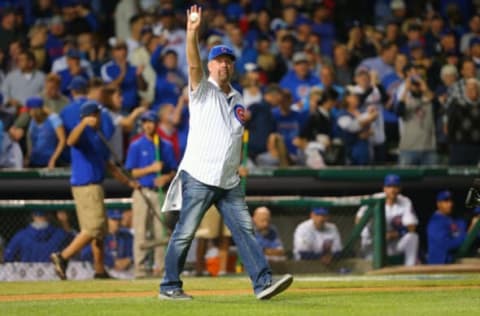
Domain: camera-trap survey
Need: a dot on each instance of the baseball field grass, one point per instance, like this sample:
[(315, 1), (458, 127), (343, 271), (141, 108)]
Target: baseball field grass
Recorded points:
[(308, 295)]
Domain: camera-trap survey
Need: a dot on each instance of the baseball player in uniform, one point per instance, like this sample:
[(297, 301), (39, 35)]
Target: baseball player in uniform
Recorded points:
[(208, 173), (316, 238), (401, 223)]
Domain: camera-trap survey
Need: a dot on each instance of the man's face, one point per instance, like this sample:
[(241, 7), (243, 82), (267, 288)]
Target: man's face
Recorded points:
[(391, 192), (262, 221), (113, 225), (471, 91), (73, 63), (326, 76), (119, 53), (301, 69), (468, 70), (149, 127), (51, 88), (170, 61), (24, 64), (445, 207), (221, 68), (319, 220), (35, 113)]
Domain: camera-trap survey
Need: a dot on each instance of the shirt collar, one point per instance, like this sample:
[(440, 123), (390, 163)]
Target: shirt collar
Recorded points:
[(232, 90)]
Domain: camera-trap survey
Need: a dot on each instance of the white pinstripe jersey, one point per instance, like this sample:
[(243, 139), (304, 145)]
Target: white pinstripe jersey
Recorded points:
[(215, 134)]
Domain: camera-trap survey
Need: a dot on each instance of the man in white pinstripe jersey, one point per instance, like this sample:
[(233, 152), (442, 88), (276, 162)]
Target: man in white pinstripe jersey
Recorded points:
[(208, 173)]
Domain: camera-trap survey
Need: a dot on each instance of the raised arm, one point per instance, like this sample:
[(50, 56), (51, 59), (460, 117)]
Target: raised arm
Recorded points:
[(195, 71)]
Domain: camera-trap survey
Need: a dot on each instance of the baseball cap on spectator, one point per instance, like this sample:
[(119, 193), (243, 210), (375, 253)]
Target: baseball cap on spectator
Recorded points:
[(221, 50), (34, 103), (299, 57), (39, 213), (116, 43), (149, 116), (302, 20), (474, 41), (278, 24), (169, 51), (214, 39), (114, 214), (251, 67), (397, 5), (444, 195), (73, 53), (234, 11), (353, 90), (320, 211), (272, 88), (415, 45), (476, 210), (89, 107), (55, 20), (78, 83), (362, 70), (391, 180)]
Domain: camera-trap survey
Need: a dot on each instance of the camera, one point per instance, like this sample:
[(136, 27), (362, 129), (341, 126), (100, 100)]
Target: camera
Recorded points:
[(473, 195)]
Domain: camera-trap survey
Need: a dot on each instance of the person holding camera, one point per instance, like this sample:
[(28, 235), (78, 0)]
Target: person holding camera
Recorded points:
[(417, 125)]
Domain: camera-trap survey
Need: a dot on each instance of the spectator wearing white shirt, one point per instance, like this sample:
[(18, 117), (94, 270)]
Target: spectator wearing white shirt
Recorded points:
[(317, 238), (401, 223)]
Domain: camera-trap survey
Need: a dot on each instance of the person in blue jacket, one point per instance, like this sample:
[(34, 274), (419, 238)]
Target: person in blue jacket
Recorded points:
[(443, 233), (118, 244), (35, 242)]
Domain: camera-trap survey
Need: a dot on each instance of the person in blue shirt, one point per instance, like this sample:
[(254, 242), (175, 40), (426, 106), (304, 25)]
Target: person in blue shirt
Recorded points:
[(288, 124), (443, 234), (299, 80), (118, 244), (119, 73), (90, 159), (35, 242), (74, 68), (70, 114), (153, 175), (46, 136), (267, 235)]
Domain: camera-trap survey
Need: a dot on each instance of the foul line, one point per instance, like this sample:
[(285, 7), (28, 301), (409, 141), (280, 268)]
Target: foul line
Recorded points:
[(153, 294)]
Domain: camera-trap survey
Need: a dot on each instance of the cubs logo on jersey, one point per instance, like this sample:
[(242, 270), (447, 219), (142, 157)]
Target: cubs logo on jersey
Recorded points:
[(239, 112)]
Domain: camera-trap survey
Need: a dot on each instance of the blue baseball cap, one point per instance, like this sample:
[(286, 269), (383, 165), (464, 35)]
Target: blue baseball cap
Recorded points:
[(39, 213), (34, 103), (415, 44), (89, 107), (476, 210), (149, 116), (78, 83), (320, 211), (444, 195), (114, 214), (73, 53), (391, 180), (219, 50)]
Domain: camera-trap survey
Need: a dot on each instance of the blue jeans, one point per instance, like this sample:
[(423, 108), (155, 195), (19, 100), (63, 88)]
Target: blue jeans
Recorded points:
[(197, 197)]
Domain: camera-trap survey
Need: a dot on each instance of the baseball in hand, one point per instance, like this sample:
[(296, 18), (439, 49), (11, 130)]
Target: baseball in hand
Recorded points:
[(194, 16)]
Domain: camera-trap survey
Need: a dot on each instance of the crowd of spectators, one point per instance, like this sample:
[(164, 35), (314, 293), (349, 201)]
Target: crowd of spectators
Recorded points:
[(324, 82)]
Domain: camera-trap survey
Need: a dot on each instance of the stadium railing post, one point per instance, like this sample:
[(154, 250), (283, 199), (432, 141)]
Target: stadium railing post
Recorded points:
[(469, 240), (379, 244), (357, 229)]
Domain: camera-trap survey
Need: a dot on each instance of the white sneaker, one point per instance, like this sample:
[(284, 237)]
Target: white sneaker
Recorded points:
[(276, 288)]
